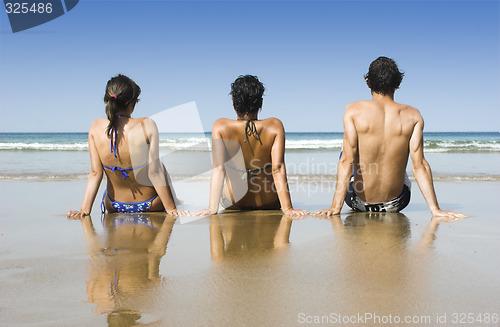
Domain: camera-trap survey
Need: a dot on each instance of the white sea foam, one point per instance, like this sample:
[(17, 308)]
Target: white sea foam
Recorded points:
[(44, 146), (462, 146), (294, 142), (333, 144)]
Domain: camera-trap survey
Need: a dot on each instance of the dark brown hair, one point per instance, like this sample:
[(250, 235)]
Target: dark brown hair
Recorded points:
[(247, 92), (120, 92), (383, 76)]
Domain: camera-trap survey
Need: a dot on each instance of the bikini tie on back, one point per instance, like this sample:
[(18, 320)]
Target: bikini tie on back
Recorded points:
[(114, 151), (250, 129), (121, 170)]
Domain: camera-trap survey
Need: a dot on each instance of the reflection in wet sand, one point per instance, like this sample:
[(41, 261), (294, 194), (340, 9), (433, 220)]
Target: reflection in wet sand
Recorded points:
[(382, 272), (124, 269), (236, 234), (368, 265), (251, 269), (374, 260)]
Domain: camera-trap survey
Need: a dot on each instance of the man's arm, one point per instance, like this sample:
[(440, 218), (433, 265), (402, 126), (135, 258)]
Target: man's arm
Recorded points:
[(422, 172), (344, 169)]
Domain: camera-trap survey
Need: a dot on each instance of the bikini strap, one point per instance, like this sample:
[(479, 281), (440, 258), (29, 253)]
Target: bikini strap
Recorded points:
[(123, 170), (251, 129)]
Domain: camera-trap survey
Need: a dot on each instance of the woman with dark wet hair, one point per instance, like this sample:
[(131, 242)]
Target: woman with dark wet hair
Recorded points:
[(249, 156), (127, 150)]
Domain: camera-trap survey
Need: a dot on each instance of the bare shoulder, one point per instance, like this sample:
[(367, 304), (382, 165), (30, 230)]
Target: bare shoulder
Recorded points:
[(354, 107), (98, 125), (273, 121), (274, 124), (220, 124), (149, 125), (148, 122), (411, 113)]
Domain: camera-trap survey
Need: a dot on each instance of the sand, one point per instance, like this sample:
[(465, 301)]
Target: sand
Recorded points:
[(247, 269)]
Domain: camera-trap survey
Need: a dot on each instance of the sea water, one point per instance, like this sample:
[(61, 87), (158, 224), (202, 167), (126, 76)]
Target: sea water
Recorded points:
[(470, 156)]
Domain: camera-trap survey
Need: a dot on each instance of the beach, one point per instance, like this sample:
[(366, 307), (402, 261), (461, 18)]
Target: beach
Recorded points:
[(252, 268), (67, 66)]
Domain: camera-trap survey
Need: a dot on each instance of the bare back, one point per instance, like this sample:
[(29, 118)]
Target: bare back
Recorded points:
[(383, 129), (132, 152), (241, 152)]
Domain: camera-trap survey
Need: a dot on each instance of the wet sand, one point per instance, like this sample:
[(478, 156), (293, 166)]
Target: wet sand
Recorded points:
[(247, 269)]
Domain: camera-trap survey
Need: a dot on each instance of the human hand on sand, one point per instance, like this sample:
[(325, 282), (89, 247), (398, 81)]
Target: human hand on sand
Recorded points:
[(295, 213), (204, 212), (177, 212), (326, 212), (77, 214), (445, 216)]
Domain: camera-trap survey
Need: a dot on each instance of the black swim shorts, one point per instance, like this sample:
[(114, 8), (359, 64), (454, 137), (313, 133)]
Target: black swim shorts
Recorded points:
[(395, 205)]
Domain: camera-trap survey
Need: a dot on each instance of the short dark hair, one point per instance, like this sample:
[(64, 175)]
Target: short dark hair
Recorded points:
[(383, 76), (120, 92), (247, 92)]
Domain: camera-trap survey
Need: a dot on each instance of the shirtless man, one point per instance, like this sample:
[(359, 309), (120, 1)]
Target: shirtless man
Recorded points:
[(249, 156), (378, 137)]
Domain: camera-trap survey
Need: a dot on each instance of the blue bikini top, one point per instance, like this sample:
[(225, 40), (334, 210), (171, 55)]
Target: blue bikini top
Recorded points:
[(114, 150)]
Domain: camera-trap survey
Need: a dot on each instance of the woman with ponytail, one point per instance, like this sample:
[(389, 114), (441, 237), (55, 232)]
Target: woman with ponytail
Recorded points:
[(127, 150)]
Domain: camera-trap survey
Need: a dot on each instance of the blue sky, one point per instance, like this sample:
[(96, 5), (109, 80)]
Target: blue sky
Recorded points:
[(310, 55)]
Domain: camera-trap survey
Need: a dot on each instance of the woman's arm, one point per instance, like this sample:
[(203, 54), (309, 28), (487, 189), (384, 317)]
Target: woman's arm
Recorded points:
[(218, 170), (218, 173), (279, 172), (156, 172), (94, 179)]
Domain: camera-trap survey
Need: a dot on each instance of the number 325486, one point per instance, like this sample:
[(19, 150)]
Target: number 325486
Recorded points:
[(25, 8)]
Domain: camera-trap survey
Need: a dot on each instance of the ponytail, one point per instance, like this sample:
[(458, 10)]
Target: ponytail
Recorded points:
[(120, 92), (111, 110)]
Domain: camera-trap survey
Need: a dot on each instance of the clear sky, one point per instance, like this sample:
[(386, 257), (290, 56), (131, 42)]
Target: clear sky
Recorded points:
[(310, 55)]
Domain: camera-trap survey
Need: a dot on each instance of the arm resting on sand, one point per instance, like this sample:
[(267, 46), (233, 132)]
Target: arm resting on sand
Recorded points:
[(422, 172), (344, 169), (279, 174), (156, 171), (216, 185), (93, 182), (218, 174)]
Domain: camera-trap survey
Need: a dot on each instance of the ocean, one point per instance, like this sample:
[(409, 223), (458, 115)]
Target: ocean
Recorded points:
[(457, 156)]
